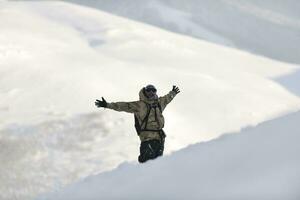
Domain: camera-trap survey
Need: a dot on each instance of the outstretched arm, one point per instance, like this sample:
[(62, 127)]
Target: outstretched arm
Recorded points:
[(130, 107), (165, 100)]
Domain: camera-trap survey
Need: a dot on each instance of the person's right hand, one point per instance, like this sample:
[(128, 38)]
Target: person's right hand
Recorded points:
[(102, 103)]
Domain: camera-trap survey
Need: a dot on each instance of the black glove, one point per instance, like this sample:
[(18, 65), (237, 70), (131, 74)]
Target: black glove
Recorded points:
[(175, 89), (102, 103)]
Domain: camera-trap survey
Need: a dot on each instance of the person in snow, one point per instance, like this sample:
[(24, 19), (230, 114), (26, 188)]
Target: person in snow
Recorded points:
[(149, 121)]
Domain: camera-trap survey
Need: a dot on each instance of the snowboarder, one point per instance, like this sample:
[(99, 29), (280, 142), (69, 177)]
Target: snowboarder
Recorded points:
[(149, 120)]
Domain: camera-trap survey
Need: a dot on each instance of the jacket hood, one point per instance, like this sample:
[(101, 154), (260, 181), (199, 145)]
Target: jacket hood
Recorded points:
[(144, 98)]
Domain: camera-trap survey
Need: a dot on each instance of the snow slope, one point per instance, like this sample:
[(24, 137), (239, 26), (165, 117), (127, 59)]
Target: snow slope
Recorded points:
[(259, 163), (56, 58), (246, 25)]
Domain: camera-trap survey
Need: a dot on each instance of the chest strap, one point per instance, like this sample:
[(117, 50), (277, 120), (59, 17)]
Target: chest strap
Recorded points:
[(138, 126)]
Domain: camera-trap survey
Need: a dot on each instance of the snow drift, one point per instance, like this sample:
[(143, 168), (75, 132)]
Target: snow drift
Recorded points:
[(259, 163)]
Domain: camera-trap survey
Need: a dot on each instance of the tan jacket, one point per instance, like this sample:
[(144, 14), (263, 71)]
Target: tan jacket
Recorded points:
[(139, 108)]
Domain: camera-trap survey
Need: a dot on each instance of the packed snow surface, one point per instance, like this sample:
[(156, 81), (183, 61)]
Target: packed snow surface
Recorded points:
[(260, 163), (56, 58)]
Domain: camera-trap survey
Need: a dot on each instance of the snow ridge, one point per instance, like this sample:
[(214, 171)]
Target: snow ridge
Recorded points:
[(246, 25), (258, 163)]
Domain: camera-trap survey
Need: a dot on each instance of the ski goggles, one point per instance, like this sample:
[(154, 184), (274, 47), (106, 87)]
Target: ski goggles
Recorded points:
[(150, 89)]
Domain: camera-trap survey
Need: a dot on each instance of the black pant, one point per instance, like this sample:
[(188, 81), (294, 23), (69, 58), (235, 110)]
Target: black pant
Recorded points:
[(150, 150)]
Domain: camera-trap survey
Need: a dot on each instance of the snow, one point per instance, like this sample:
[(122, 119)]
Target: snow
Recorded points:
[(246, 25), (258, 163), (56, 58)]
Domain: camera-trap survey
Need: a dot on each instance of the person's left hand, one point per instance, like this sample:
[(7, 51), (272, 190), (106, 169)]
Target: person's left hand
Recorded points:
[(175, 89)]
